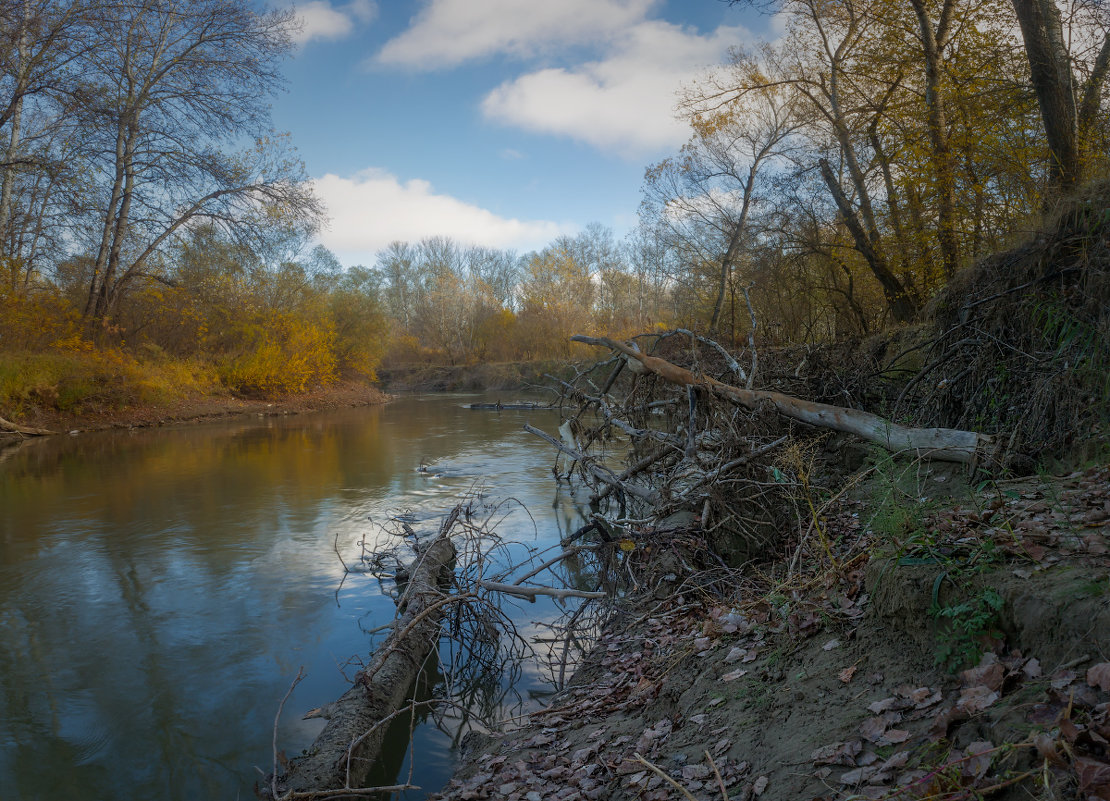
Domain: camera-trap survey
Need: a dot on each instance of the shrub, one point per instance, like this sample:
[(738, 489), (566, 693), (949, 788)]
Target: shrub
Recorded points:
[(283, 354)]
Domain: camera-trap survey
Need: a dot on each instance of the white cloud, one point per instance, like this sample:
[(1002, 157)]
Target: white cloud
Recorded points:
[(449, 32), (373, 208), (321, 20), (624, 102)]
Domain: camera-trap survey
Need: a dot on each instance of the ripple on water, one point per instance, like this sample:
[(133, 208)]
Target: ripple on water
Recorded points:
[(83, 729)]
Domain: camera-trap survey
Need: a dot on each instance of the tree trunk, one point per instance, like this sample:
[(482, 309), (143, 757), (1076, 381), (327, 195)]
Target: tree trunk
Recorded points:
[(733, 249), (1092, 92), (901, 304), (933, 42), (1050, 70), (108, 281), (14, 138), (101, 263), (15, 428)]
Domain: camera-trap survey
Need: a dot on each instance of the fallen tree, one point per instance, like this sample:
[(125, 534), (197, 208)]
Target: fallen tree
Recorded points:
[(27, 431), (346, 750), (941, 444)]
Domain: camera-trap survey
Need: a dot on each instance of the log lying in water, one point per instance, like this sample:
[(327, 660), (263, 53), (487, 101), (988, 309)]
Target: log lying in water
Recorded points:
[(347, 748), (942, 444), (508, 406), (15, 428)]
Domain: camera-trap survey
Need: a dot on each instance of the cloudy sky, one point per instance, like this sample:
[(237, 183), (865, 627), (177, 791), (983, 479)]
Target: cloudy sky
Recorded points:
[(495, 122)]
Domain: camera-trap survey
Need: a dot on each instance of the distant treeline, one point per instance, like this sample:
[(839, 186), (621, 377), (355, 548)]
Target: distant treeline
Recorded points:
[(155, 232)]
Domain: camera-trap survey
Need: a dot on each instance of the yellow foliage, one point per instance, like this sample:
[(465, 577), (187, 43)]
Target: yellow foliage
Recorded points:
[(408, 349), (34, 321), (284, 354), (77, 376)]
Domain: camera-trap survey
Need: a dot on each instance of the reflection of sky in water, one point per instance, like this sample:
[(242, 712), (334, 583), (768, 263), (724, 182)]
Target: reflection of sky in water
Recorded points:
[(160, 589)]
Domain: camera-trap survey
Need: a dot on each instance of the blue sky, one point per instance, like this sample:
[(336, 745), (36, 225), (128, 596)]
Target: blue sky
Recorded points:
[(496, 122)]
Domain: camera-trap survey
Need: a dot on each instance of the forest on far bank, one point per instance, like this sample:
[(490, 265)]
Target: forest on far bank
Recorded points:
[(156, 233)]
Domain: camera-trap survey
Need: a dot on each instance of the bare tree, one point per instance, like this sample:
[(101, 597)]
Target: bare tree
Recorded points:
[(179, 84), (41, 41), (706, 196)]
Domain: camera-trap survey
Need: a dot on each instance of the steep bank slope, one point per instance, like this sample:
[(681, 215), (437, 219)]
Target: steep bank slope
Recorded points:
[(834, 683)]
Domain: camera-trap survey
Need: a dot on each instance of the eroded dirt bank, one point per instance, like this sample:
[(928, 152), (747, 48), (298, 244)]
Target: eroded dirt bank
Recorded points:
[(943, 649), (200, 408)]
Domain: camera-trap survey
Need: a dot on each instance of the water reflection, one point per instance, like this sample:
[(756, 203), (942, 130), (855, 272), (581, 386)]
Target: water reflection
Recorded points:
[(160, 588)]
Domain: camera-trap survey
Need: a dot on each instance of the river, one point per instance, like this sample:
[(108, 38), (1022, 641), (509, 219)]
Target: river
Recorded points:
[(160, 588)]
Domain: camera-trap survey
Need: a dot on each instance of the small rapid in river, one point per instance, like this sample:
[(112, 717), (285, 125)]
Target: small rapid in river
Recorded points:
[(159, 589)]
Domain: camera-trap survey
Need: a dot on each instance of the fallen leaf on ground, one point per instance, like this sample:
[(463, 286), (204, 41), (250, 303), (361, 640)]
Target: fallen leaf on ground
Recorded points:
[(873, 728), (847, 674), (736, 653), (893, 737), (1093, 775), (695, 771), (1061, 679), (988, 675), (895, 761), (1099, 676), (837, 753), (976, 699), (856, 776), (831, 644), (944, 720), (979, 763), (760, 785), (879, 707)]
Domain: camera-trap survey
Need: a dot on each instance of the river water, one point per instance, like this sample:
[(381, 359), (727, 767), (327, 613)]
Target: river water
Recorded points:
[(160, 589)]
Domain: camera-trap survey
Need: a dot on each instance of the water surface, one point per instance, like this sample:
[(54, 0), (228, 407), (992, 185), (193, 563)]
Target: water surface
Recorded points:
[(159, 589)]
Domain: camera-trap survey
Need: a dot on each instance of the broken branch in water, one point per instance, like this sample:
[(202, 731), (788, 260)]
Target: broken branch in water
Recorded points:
[(569, 552), (531, 592), (345, 750), (600, 473)]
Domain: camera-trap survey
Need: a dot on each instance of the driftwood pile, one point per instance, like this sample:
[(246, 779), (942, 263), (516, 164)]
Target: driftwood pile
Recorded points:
[(736, 461)]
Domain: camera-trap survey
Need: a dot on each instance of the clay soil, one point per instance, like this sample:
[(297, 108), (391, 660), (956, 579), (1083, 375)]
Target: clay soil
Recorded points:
[(842, 681)]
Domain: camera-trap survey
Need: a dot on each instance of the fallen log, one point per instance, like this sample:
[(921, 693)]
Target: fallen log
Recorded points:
[(498, 407), (346, 750), (941, 444), (27, 431), (531, 592)]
